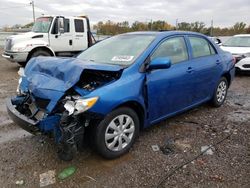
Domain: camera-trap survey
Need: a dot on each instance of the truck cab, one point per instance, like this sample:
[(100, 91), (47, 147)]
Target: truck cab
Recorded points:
[(50, 36)]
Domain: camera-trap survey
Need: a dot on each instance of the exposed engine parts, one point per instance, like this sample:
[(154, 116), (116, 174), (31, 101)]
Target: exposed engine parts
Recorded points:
[(91, 80)]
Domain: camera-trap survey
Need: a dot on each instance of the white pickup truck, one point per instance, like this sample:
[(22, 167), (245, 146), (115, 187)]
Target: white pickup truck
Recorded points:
[(50, 36)]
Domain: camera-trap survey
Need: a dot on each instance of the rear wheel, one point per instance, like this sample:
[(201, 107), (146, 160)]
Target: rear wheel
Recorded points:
[(115, 135), (220, 92)]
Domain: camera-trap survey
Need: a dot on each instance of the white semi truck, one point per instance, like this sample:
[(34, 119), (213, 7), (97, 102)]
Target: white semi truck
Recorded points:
[(50, 36)]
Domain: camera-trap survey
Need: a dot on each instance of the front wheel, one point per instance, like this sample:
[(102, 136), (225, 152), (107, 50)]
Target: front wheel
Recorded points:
[(116, 133), (40, 53), (220, 93)]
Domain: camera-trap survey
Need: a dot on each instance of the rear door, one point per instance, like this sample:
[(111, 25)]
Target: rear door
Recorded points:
[(80, 41), (207, 65), (170, 90)]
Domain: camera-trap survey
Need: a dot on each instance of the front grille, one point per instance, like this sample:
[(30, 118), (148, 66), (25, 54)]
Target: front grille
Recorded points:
[(246, 66), (41, 103), (8, 44)]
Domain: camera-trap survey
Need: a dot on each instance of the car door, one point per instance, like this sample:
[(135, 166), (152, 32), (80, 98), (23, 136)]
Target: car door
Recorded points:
[(207, 65), (61, 42), (170, 90), (80, 39)]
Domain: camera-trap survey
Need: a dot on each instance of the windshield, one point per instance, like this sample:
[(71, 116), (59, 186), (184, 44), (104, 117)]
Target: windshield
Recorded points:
[(238, 42), (42, 25), (118, 50)]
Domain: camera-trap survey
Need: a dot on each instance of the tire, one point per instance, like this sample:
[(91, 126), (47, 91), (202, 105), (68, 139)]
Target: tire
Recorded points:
[(109, 132), (40, 53), (220, 93)]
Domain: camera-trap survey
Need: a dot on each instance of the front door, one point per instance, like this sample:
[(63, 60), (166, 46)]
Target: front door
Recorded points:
[(170, 90), (61, 42)]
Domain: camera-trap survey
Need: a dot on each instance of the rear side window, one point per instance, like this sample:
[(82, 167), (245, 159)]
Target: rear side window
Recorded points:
[(173, 48), (201, 47), (79, 27)]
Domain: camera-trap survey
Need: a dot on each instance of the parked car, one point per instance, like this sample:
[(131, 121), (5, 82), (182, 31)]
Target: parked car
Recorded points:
[(50, 36), (119, 86), (239, 46)]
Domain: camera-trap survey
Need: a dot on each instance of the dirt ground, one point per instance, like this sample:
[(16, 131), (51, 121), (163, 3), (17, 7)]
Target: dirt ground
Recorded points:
[(24, 157)]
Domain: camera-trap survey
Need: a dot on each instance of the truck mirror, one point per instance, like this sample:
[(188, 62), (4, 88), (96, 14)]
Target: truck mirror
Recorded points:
[(61, 25)]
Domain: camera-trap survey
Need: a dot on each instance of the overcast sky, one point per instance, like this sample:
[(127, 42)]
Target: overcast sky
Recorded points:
[(223, 12)]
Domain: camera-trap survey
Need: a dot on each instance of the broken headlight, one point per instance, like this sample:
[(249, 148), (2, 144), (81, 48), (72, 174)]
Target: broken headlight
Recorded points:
[(79, 105)]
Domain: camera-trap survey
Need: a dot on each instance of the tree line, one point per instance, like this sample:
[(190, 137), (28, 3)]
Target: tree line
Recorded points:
[(113, 28)]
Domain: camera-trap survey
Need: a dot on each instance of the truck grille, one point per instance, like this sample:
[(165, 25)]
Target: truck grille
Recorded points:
[(8, 44)]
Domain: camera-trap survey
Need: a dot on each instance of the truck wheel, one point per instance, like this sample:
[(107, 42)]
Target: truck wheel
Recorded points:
[(220, 93), (116, 133), (40, 53)]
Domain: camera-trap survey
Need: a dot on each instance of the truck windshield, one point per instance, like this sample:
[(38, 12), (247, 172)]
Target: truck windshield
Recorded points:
[(42, 25), (118, 50), (238, 41)]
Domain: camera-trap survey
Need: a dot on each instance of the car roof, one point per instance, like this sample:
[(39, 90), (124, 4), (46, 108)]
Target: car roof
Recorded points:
[(164, 33)]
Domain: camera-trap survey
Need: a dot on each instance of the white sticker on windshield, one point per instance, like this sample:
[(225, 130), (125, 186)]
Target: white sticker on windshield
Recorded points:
[(122, 58)]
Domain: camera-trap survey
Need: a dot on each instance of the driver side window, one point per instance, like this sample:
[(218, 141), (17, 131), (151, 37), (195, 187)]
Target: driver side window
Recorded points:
[(173, 48)]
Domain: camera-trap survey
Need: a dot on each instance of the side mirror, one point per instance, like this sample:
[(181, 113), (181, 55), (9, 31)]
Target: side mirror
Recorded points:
[(61, 25), (160, 63), (218, 41)]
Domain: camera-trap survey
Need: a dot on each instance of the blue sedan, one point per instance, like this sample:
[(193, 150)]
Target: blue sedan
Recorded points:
[(119, 86)]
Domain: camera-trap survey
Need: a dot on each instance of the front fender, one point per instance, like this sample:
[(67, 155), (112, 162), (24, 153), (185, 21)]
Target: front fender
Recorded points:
[(130, 87)]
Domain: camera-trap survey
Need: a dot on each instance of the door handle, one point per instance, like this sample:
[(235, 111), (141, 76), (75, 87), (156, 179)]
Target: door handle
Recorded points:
[(190, 70)]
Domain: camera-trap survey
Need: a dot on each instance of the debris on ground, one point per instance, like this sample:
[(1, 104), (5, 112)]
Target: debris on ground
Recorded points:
[(88, 178), (168, 147), (200, 162), (217, 178), (155, 148), (19, 182), (166, 150), (207, 150), (47, 178), (67, 172), (182, 144)]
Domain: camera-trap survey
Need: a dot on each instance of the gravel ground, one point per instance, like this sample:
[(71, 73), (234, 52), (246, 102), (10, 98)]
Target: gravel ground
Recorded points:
[(25, 157)]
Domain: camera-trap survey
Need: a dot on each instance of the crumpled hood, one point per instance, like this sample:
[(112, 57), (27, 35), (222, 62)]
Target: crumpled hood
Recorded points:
[(50, 77)]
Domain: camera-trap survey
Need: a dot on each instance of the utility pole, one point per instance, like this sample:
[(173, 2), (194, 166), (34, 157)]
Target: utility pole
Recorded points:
[(176, 24), (33, 9), (212, 25)]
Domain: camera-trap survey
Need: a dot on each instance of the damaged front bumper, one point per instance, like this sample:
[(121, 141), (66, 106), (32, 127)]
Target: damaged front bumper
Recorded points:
[(67, 130), (20, 119), (30, 123)]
